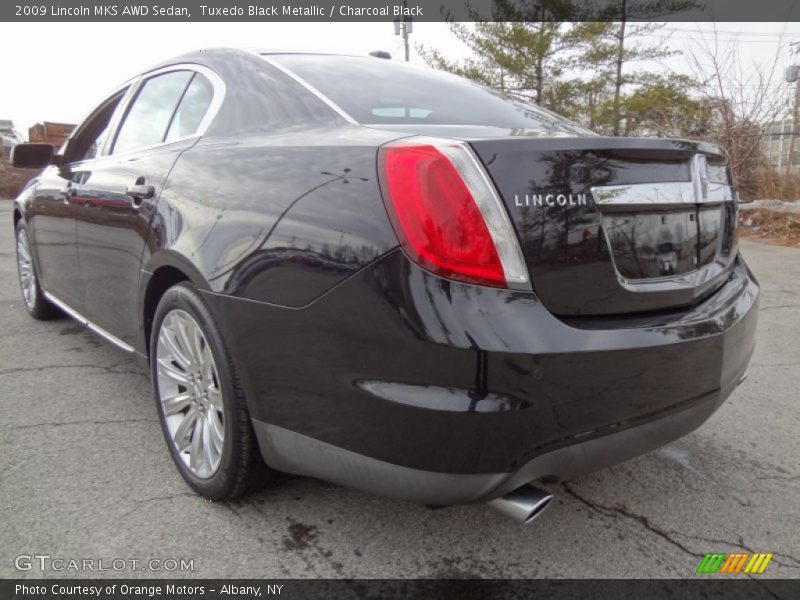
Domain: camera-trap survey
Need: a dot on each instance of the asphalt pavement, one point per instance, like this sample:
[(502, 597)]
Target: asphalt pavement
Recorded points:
[(85, 474)]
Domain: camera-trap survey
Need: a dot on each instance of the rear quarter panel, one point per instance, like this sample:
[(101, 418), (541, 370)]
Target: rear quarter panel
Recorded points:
[(275, 218)]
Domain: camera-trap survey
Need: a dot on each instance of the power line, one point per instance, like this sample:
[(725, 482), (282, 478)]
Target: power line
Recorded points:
[(719, 39), (729, 32)]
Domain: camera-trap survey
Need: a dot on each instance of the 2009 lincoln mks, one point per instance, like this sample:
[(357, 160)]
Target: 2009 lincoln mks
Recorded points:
[(389, 277)]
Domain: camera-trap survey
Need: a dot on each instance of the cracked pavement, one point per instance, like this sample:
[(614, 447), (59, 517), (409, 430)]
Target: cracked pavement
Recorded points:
[(84, 473)]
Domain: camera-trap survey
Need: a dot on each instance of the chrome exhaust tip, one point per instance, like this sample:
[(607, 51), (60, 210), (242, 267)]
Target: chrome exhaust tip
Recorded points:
[(524, 504)]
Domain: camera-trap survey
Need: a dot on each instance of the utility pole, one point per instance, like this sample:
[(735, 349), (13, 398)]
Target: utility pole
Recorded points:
[(403, 26), (795, 113)]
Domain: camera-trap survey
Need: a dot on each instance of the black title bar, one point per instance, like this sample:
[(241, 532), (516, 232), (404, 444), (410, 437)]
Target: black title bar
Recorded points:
[(388, 10), (416, 589)]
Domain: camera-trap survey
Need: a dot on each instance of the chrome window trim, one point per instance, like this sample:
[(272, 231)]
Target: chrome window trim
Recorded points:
[(119, 114), (110, 157), (220, 91), (88, 324), (122, 104), (330, 103)]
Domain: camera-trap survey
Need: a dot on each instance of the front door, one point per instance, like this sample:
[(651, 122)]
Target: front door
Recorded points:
[(118, 194), (56, 204), (51, 227)]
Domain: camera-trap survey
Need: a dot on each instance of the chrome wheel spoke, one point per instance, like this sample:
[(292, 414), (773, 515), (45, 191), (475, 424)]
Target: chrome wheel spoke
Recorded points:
[(199, 347), (167, 370), (209, 371), (208, 448), (216, 430), (215, 398), (191, 399), (176, 403), (23, 250), (171, 345), (196, 451), (182, 436), (186, 340)]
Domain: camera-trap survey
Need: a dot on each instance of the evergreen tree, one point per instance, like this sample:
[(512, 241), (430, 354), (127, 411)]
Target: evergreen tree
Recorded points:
[(609, 48), (589, 71), (524, 60)]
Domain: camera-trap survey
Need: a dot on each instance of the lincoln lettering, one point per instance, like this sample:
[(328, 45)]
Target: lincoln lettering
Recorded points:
[(550, 200), (55, 11)]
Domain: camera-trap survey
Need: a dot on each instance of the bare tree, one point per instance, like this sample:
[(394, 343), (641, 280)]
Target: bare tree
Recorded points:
[(744, 98)]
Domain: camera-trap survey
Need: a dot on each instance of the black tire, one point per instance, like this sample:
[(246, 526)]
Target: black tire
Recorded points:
[(39, 307), (241, 468)]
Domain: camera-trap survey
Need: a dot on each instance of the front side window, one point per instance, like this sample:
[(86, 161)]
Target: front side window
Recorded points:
[(149, 116), (89, 141), (192, 109)]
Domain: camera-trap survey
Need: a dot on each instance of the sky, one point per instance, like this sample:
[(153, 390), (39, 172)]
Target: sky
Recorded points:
[(77, 64)]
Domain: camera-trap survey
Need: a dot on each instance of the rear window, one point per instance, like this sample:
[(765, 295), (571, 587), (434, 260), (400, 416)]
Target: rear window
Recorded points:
[(376, 91)]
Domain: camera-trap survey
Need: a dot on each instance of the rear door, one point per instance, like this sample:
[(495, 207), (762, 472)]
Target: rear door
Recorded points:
[(617, 225), (118, 191)]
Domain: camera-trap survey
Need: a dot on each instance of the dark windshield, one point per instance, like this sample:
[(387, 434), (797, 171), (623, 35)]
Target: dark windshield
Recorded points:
[(376, 91)]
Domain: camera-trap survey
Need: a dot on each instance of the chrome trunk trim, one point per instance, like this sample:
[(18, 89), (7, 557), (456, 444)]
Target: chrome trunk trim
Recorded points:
[(655, 197), (659, 195)]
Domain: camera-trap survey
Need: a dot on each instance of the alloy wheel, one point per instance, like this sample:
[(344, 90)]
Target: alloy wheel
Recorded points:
[(27, 276), (190, 393)]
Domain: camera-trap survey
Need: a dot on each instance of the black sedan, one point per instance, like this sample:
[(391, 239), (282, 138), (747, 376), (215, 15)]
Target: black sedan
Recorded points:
[(389, 277)]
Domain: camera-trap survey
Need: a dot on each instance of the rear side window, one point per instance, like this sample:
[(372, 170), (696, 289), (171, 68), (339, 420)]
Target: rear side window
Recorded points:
[(192, 109), (374, 91), (150, 114)]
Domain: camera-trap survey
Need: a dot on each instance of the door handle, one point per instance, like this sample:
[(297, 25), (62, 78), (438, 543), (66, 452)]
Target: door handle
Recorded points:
[(68, 193), (140, 192)]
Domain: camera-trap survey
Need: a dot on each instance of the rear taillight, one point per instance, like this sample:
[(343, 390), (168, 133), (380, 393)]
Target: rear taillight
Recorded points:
[(447, 214)]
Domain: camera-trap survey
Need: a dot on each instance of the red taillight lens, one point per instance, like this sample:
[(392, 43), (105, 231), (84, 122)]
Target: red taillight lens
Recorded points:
[(435, 216)]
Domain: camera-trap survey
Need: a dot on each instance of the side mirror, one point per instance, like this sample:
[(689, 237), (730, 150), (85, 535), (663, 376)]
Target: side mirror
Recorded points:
[(32, 156)]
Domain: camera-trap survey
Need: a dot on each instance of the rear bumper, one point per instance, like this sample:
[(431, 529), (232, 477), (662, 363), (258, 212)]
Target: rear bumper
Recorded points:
[(292, 452), (400, 383)]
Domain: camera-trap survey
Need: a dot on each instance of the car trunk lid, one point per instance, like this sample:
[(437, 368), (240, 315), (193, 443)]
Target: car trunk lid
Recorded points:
[(610, 226)]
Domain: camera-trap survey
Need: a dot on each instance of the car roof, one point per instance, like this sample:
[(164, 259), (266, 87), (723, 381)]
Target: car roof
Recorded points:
[(209, 56), (263, 51), (260, 51)]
